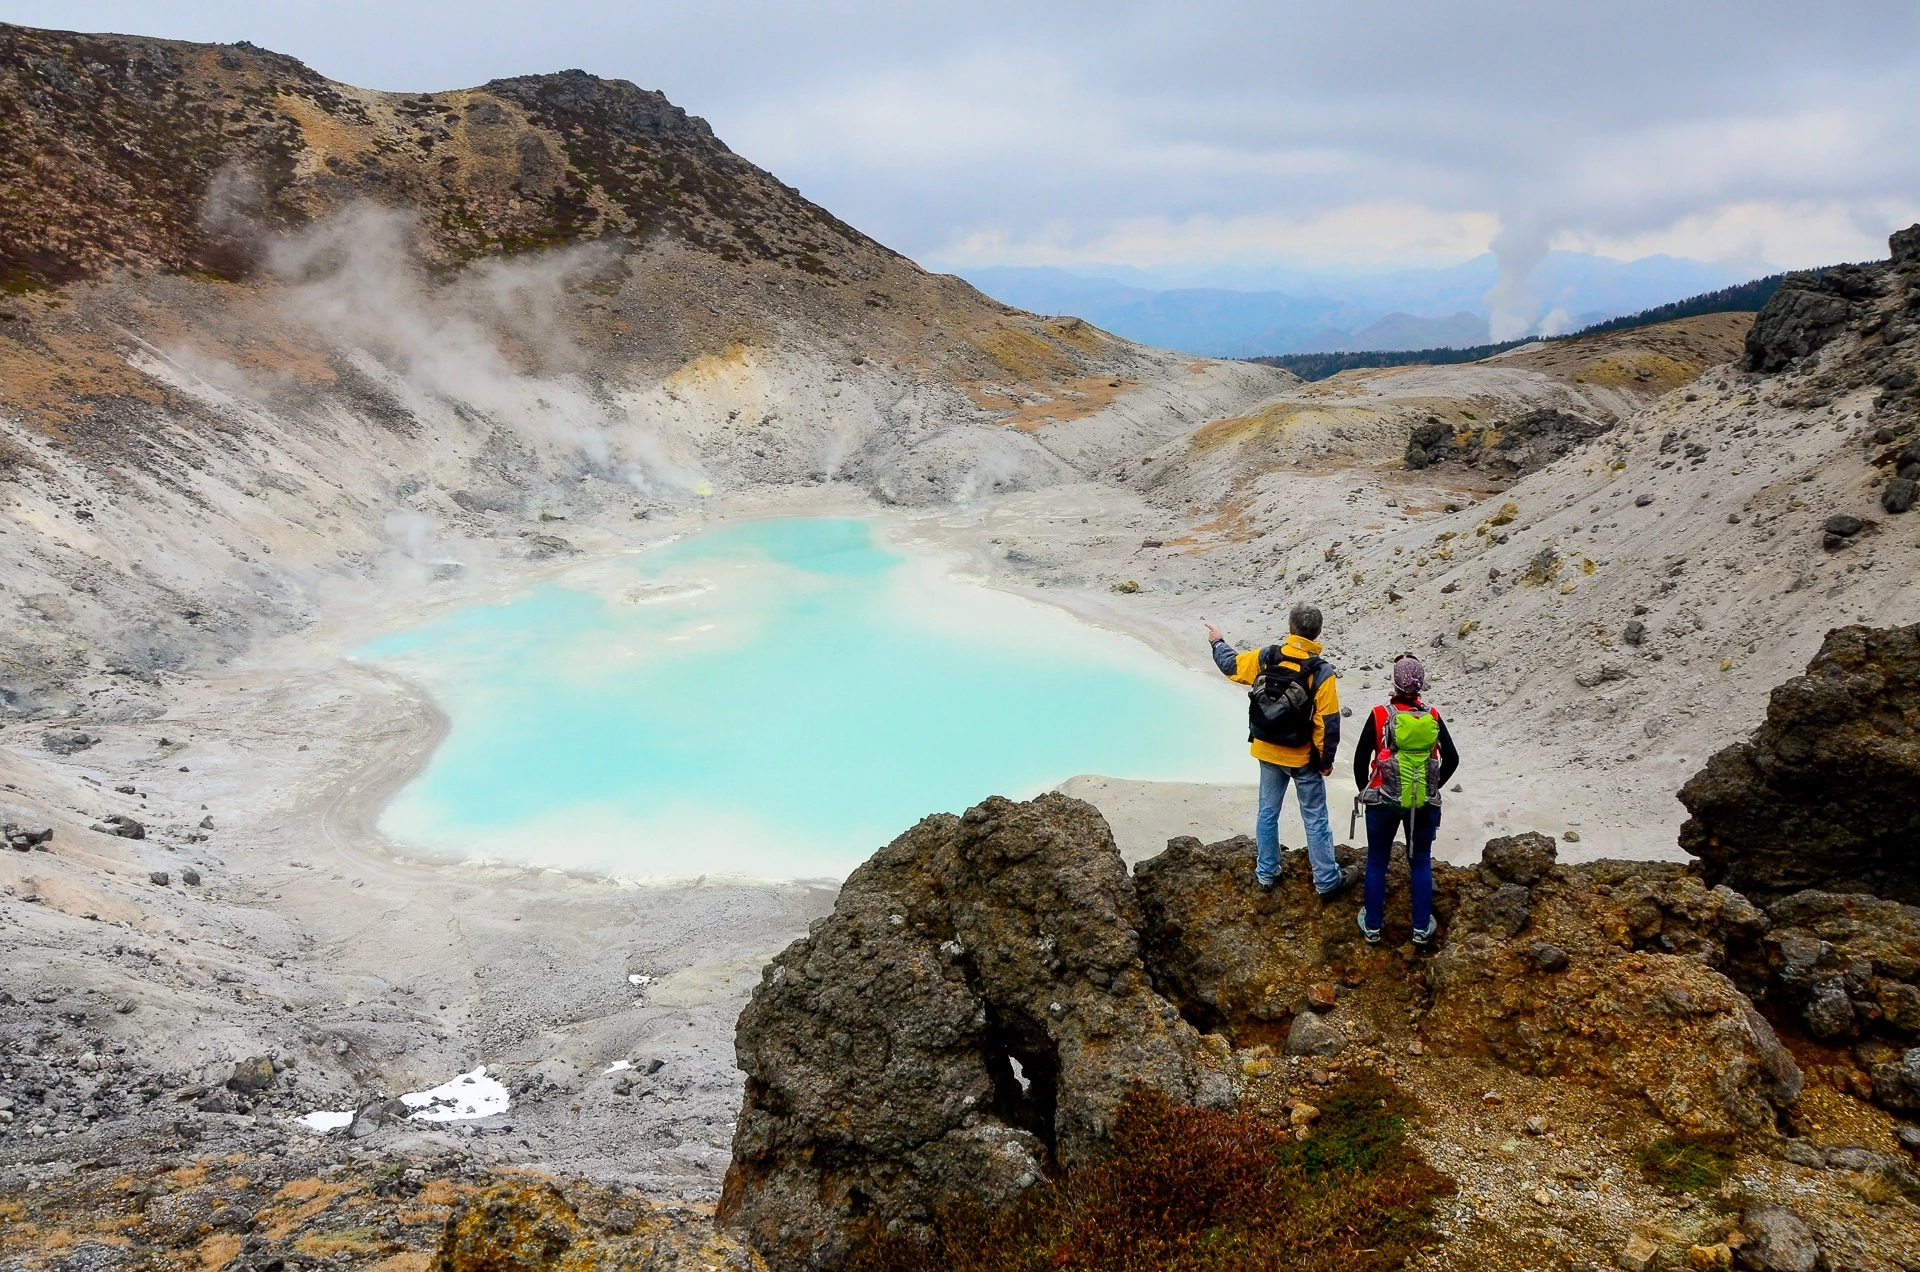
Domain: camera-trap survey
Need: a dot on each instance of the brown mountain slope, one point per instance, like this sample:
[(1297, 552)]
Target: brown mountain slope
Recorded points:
[(169, 156)]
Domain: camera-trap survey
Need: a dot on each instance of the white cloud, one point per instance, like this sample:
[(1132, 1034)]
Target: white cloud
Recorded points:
[(1366, 235), (1146, 131), (1786, 235)]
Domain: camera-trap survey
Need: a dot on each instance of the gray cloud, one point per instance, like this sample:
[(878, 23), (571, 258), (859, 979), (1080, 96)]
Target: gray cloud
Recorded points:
[(1162, 133)]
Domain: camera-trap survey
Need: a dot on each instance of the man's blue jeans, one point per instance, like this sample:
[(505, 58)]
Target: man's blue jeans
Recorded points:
[(1313, 814)]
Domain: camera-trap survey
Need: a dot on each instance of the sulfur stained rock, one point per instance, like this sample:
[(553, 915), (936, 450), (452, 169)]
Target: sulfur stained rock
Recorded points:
[(529, 1226), (968, 1018), (1826, 792), (1623, 1010)]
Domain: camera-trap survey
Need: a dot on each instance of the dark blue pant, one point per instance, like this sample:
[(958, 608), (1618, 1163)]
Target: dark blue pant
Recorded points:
[(1381, 823)]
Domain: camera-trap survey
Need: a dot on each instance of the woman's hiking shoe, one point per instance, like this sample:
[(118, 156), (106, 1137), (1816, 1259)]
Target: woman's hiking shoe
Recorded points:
[(1267, 885), (1349, 875), (1372, 934), (1422, 940)]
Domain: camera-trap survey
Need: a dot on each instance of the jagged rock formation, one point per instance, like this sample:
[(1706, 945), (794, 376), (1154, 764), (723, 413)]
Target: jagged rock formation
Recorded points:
[(1606, 974), (1811, 310), (881, 1050), (1848, 967), (968, 1019), (1586, 972), (1234, 959), (1826, 793)]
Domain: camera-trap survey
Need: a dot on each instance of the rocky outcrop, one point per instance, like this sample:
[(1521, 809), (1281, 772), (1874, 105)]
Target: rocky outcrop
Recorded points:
[(1614, 973), (1234, 958), (1807, 313), (1826, 793), (1521, 445), (990, 986), (967, 1020), (1607, 974)]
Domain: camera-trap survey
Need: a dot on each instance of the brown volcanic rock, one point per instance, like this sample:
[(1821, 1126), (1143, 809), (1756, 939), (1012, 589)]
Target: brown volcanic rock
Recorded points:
[(1826, 793), (1233, 958), (172, 156), (1619, 1010), (880, 1050), (1849, 965), (1607, 972)]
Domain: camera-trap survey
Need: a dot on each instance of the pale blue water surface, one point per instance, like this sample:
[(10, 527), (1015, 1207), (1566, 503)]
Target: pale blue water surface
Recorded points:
[(774, 699)]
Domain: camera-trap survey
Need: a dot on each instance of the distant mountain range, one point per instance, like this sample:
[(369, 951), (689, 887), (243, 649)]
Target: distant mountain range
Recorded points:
[(1275, 311)]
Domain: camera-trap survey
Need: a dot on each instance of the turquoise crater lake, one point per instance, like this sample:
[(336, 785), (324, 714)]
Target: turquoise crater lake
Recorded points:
[(775, 699)]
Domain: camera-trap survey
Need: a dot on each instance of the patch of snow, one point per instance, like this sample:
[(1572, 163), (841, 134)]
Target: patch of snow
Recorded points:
[(637, 979), (321, 1121), (617, 1065), (470, 1095)]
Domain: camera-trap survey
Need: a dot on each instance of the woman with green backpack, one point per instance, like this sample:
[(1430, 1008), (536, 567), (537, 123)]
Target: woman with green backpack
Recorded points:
[(1403, 762)]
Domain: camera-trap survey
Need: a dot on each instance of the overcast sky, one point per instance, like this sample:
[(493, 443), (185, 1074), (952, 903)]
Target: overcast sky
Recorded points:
[(1182, 134)]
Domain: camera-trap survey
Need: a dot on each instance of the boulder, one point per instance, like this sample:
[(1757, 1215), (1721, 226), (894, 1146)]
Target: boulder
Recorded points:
[(252, 1075), (1826, 792), (967, 1020), (1846, 963), (1778, 1240), (119, 824), (25, 838), (375, 1114), (1312, 1035), (1523, 859), (1896, 1084)]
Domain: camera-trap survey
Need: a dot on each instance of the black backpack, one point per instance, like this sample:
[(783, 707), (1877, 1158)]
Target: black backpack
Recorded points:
[(1280, 704)]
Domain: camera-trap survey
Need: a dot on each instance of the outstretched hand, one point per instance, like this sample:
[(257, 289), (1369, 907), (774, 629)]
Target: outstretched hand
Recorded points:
[(1214, 633)]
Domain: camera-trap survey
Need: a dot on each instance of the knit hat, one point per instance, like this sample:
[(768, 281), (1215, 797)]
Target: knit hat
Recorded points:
[(1409, 677)]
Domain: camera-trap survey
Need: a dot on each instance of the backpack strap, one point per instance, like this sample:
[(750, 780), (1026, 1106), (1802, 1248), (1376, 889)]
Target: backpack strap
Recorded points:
[(1383, 728)]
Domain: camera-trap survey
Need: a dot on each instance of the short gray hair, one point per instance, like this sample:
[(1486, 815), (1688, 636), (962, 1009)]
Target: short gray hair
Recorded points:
[(1305, 621)]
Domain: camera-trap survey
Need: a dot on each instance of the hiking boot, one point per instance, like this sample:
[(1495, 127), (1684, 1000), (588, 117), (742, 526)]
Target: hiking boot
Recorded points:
[(1423, 939), (1267, 885), (1349, 875), (1372, 934)]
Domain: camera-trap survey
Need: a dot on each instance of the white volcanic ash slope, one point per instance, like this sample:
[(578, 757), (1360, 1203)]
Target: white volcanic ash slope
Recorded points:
[(320, 347), (1699, 519)]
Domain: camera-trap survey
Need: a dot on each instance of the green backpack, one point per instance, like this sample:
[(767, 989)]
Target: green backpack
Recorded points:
[(1406, 767)]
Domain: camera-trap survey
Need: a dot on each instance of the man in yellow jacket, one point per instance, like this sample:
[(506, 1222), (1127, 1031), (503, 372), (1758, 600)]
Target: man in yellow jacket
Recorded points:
[(1293, 730)]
